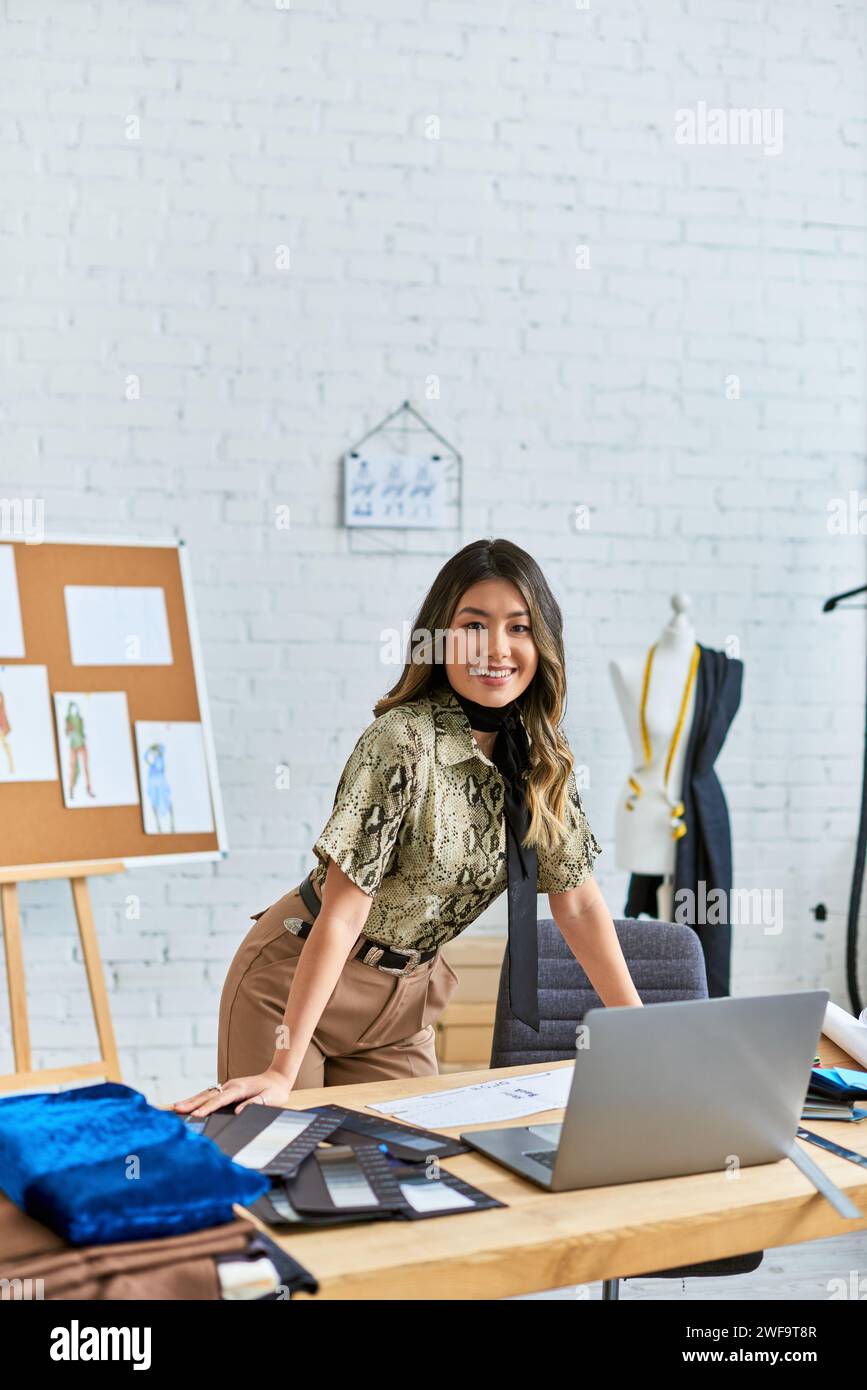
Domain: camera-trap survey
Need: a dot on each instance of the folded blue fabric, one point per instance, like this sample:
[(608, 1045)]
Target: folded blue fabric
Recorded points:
[(99, 1164)]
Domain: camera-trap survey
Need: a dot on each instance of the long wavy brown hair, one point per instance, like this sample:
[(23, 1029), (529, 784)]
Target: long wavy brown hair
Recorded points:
[(542, 704)]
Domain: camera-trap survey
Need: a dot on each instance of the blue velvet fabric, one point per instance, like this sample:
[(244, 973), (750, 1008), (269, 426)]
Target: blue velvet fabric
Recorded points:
[(99, 1164)]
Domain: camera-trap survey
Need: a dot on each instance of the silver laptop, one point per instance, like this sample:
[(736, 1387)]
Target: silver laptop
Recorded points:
[(688, 1087)]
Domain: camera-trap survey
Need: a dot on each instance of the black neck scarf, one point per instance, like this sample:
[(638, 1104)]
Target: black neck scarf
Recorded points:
[(511, 757)]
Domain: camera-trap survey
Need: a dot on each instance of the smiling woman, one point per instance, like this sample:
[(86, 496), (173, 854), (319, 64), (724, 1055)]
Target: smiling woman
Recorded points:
[(462, 786)]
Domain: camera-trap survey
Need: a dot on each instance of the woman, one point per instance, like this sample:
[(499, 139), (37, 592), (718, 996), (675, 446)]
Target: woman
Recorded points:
[(5, 731), (462, 785), (159, 791), (74, 730)]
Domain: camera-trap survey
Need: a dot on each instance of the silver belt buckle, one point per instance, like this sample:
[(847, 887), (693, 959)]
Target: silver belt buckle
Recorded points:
[(377, 952), (294, 924)]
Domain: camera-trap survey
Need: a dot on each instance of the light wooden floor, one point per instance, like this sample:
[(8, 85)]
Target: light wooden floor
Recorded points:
[(804, 1272)]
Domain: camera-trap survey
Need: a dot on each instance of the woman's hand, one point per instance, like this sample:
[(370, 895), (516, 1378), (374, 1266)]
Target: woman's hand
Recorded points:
[(266, 1088)]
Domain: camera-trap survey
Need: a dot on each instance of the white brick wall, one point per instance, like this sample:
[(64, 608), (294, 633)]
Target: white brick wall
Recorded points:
[(305, 127)]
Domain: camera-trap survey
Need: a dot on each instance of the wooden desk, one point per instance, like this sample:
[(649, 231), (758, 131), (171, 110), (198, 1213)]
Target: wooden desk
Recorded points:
[(544, 1240)]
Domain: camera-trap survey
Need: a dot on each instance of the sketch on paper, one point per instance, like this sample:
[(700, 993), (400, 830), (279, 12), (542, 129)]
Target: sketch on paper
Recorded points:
[(117, 626), (159, 792), (96, 758), (173, 772), (26, 738), (11, 630), (73, 727), (394, 490)]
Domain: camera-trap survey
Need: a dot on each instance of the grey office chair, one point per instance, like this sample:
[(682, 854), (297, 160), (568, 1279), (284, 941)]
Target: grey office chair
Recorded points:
[(666, 962)]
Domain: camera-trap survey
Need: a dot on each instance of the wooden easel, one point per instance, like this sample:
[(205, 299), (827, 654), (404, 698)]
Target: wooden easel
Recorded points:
[(107, 1066)]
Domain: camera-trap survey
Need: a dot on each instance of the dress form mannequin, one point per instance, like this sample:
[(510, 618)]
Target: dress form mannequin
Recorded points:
[(645, 821)]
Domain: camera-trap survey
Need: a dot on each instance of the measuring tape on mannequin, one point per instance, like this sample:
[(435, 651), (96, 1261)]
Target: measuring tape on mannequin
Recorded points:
[(678, 825)]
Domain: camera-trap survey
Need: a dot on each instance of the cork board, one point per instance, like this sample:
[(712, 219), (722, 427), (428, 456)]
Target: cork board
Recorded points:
[(38, 829)]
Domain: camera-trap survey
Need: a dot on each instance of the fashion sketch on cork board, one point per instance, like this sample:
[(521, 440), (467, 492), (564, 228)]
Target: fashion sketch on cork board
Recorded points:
[(26, 737), (73, 727), (159, 792), (95, 741), (173, 774), (5, 731)]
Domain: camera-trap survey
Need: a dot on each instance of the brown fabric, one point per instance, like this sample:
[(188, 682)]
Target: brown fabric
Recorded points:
[(174, 1267), (374, 1027)]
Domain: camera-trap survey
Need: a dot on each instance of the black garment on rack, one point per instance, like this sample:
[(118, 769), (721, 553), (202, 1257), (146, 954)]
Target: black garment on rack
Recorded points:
[(704, 853)]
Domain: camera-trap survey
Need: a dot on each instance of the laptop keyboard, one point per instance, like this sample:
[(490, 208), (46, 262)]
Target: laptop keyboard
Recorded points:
[(545, 1156)]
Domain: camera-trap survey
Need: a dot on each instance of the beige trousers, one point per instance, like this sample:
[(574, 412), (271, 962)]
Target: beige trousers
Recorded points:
[(375, 1026)]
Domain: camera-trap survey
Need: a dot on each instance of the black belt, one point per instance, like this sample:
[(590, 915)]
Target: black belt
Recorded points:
[(385, 957)]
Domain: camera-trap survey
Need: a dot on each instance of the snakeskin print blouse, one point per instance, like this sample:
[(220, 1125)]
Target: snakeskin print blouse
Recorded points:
[(418, 824)]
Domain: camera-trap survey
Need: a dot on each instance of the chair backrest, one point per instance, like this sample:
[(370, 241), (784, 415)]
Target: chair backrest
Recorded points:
[(665, 960)]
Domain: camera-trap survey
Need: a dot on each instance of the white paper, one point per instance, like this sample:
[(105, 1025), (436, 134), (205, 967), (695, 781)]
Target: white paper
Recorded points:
[(96, 758), (847, 1032), (431, 1194), (109, 626), (11, 631), (26, 736), (389, 489), (173, 772), (507, 1099)]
